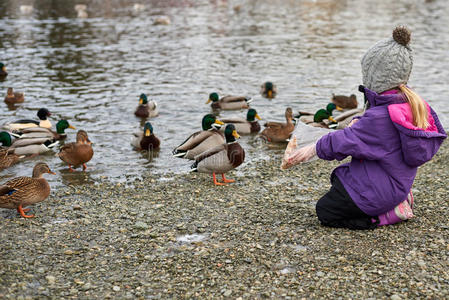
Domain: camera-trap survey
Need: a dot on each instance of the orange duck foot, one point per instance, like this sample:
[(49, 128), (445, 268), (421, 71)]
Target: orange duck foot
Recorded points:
[(84, 167), (226, 180), (21, 211), (215, 180)]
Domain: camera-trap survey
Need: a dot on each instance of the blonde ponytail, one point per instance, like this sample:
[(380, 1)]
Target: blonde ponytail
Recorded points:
[(419, 108)]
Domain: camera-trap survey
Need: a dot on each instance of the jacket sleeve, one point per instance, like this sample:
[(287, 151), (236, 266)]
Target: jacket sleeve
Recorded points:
[(363, 140)]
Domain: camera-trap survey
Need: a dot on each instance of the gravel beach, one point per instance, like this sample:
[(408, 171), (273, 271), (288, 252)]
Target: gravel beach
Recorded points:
[(257, 238)]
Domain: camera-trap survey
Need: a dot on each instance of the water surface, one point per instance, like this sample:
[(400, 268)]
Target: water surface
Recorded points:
[(91, 71)]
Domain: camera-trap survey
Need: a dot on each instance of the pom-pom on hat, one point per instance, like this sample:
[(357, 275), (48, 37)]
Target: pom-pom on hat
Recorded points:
[(389, 62)]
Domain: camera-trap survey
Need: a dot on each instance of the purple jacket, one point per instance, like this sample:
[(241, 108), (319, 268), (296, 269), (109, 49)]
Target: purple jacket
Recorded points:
[(386, 150)]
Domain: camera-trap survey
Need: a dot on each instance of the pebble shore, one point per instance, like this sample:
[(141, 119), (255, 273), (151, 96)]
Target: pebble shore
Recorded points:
[(256, 238)]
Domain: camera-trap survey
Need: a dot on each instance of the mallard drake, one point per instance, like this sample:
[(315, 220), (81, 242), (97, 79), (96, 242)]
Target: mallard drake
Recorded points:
[(40, 132), (319, 115), (222, 158), (268, 90), (279, 132), (146, 109), (248, 126), (146, 140), (345, 102), (3, 72), (8, 158), (27, 146), (201, 141), (42, 114), (323, 117), (228, 102), (77, 153), (23, 191)]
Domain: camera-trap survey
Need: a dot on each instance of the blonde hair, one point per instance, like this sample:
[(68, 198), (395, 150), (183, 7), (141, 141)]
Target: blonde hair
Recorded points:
[(419, 108)]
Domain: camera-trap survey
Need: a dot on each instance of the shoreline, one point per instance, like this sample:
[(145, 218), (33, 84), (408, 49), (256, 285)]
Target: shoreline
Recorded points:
[(256, 238)]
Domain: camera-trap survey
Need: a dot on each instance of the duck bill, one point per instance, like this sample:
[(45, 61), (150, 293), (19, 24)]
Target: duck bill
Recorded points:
[(270, 94), (51, 172), (147, 132), (72, 127), (235, 134), (258, 117), (332, 119), (338, 108), (4, 69), (218, 122), (208, 101), (140, 101)]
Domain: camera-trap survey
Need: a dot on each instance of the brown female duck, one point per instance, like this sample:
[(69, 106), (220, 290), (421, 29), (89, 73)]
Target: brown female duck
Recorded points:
[(345, 102), (77, 153), (7, 158), (13, 97), (279, 132), (23, 191)]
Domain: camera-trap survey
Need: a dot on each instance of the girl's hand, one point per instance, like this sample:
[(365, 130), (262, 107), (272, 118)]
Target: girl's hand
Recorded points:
[(298, 156), (352, 122)]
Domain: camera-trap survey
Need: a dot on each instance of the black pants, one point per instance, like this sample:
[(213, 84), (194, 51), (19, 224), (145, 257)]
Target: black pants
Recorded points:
[(336, 209)]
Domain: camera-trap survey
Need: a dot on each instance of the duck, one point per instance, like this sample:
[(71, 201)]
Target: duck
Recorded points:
[(162, 20), (3, 72), (20, 192), (27, 146), (222, 158), (268, 90), (279, 132), (146, 109), (81, 10), (319, 115), (138, 7), (245, 126), (8, 158), (42, 114), (146, 140), (228, 102), (324, 118), (26, 9), (203, 140), (13, 97), (77, 153), (41, 132), (345, 102)]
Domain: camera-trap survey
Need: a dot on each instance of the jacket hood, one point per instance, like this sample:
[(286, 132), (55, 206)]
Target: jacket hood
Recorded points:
[(386, 98), (418, 145)]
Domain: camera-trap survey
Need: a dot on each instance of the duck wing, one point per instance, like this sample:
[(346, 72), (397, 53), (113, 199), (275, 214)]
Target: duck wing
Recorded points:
[(229, 99), (274, 125)]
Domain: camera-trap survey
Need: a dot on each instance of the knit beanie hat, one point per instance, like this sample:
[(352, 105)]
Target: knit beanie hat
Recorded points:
[(389, 62)]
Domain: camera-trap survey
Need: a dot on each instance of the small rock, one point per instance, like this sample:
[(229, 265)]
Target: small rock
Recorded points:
[(395, 297), (51, 279), (227, 293), (141, 225), (116, 288)]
